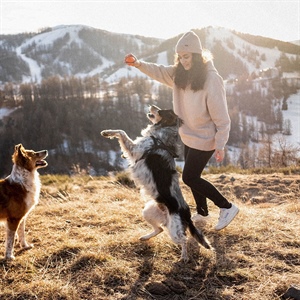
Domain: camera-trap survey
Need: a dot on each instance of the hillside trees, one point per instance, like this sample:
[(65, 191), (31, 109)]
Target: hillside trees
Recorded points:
[(63, 116), (226, 61), (269, 43), (66, 115), (286, 64), (11, 66)]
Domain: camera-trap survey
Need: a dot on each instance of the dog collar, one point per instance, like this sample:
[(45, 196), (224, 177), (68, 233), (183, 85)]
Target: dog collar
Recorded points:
[(158, 144)]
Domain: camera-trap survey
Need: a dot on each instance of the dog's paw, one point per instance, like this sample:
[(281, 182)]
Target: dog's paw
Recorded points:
[(27, 246), (105, 133), (9, 257), (144, 238), (184, 259), (108, 134)]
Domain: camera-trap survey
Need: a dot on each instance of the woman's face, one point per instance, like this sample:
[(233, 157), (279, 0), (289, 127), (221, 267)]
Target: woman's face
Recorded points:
[(185, 59)]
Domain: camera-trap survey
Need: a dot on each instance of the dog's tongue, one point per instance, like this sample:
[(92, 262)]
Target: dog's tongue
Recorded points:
[(40, 162)]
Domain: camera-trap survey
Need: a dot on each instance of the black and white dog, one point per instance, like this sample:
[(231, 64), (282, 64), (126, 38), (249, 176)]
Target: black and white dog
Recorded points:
[(153, 168)]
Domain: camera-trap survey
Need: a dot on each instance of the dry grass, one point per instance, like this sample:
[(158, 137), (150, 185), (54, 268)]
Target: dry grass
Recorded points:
[(85, 231)]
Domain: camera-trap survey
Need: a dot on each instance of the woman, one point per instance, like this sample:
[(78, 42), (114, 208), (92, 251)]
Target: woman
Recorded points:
[(199, 99)]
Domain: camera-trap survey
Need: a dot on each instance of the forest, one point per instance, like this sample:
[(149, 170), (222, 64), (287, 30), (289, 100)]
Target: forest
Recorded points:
[(65, 116)]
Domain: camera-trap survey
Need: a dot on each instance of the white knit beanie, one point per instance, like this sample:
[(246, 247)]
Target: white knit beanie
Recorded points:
[(189, 42)]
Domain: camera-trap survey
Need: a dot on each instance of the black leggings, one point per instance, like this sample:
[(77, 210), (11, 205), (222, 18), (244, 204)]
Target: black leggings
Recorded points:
[(195, 162)]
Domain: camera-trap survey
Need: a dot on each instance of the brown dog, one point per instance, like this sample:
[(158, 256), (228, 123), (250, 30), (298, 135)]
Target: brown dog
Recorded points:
[(19, 193)]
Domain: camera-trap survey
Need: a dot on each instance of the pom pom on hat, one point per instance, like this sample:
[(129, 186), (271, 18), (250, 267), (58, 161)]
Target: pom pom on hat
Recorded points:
[(189, 42)]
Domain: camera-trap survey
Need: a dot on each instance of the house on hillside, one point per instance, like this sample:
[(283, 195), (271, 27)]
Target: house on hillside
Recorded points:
[(292, 79), (264, 80), (269, 73)]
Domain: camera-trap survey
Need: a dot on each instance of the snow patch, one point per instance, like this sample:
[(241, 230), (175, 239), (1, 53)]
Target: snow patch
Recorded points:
[(293, 114), (4, 112)]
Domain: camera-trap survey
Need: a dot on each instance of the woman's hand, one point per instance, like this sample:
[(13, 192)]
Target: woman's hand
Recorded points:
[(131, 60), (219, 155)]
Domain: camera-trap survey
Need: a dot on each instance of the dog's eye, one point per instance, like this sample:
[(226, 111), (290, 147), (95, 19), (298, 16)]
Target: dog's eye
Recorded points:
[(30, 153)]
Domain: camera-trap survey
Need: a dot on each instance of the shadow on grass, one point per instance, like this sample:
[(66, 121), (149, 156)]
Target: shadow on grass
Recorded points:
[(205, 276), (145, 270)]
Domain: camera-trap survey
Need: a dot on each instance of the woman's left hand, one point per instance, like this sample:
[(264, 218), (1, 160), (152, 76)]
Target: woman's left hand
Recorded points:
[(219, 155)]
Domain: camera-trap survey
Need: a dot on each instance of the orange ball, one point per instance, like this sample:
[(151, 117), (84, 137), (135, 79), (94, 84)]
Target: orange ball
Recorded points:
[(130, 59)]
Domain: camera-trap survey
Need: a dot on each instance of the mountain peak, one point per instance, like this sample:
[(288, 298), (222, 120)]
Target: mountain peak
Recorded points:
[(80, 50)]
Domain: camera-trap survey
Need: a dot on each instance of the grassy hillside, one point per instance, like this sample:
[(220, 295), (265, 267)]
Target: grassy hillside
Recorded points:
[(85, 231)]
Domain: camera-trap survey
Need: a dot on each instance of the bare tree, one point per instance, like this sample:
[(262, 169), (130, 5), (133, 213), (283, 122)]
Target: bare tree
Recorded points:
[(286, 154), (265, 153)]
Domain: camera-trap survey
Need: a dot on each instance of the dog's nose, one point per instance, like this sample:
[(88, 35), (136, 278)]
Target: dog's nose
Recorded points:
[(154, 108), (44, 153)]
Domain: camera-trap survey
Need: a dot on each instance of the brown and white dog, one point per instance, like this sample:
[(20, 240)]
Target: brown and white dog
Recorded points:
[(19, 193), (152, 165)]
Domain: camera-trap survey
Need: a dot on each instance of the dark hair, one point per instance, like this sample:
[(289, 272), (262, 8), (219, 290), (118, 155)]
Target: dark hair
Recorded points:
[(196, 76)]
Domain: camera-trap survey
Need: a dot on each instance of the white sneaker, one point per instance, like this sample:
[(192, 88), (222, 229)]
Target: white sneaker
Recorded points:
[(226, 216), (201, 220)]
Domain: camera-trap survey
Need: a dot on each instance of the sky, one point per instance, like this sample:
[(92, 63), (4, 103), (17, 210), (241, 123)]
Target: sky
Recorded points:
[(161, 19)]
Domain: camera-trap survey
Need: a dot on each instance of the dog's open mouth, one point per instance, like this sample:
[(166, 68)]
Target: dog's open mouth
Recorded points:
[(153, 114), (41, 163)]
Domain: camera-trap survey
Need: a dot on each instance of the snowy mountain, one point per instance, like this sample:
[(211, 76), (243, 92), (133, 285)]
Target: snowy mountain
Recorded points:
[(261, 78), (85, 51), (66, 51)]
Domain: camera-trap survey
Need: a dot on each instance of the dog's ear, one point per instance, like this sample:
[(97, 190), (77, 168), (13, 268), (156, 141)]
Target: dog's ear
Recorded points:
[(18, 147), (18, 152), (175, 118), (169, 118)]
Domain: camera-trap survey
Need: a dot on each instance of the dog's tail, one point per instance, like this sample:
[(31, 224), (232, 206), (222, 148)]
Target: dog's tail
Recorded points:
[(198, 235)]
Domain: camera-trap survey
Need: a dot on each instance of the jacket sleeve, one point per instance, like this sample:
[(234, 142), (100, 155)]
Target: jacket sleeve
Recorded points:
[(218, 110), (161, 73)]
